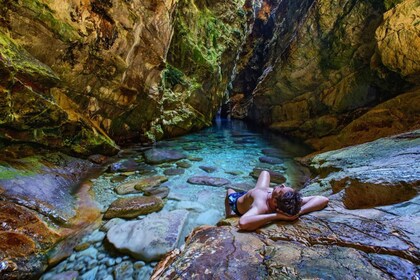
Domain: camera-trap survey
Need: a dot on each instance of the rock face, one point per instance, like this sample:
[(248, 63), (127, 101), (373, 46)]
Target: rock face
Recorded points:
[(333, 73), (44, 211), (96, 71), (346, 239), (150, 238)]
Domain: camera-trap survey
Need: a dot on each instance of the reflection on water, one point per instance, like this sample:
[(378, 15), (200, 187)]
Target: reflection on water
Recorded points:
[(229, 149)]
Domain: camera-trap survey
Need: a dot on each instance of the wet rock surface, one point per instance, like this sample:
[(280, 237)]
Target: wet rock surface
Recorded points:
[(206, 180), (150, 238), (156, 156), (132, 207)]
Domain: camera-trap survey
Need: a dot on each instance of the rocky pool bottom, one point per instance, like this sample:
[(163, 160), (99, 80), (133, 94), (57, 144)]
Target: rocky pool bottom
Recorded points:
[(152, 198)]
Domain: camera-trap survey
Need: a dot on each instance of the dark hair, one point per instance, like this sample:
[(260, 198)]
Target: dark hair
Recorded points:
[(289, 202)]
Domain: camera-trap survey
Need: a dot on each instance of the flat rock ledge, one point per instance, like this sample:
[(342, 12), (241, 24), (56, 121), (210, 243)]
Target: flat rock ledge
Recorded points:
[(132, 207), (150, 238)]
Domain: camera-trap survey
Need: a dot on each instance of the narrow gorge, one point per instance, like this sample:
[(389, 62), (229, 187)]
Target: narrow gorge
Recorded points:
[(123, 122)]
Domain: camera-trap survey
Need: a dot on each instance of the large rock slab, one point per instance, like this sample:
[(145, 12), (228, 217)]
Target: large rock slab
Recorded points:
[(150, 238), (216, 253), (381, 172), (157, 156), (132, 207)]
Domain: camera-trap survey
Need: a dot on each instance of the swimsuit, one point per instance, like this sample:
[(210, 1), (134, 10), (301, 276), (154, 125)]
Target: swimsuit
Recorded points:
[(233, 199)]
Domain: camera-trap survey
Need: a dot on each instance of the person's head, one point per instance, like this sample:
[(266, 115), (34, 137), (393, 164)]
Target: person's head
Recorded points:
[(286, 200)]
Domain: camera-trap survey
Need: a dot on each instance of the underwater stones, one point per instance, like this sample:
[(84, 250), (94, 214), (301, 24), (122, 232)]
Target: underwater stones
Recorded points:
[(133, 206), (183, 164), (162, 191), (150, 238), (271, 160), (157, 156), (150, 182), (125, 165), (275, 177), (206, 180), (174, 171), (208, 169), (127, 188)]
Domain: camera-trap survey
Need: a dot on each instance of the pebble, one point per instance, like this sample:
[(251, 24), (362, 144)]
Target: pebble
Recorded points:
[(89, 252), (139, 264), (118, 260), (96, 236), (101, 256), (110, 262), (90, 275)]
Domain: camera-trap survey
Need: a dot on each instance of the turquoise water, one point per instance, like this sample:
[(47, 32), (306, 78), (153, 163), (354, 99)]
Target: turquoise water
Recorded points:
[(231, 148)]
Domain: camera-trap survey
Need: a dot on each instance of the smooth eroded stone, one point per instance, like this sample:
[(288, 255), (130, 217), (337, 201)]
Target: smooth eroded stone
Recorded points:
[(206, 180), (161, 192), (150, 238), (236, 256), (208, 169), (157, 156), (133, 206), (150, 182), (271, 160), (174, 171), (125, 165), (183, 164), (275, 177)]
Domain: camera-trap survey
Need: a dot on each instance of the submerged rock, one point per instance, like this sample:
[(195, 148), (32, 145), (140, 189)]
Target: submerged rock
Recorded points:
[(275, 176), (150, 238), (206, 180), (133, 206), (157, 156)]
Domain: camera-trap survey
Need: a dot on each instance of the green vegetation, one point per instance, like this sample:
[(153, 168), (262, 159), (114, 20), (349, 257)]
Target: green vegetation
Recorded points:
[(18, 60), (44, 14)]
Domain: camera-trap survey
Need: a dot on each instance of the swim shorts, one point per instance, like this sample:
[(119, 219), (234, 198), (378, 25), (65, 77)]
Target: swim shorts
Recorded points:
[(233, 198)]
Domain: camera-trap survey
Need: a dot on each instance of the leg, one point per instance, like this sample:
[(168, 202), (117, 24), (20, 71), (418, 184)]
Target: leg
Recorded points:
[(263, 180), (228, 210)]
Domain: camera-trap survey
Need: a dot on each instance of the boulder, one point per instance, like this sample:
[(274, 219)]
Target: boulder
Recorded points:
[(150, 182), (206, 180), (157, 156), (132, 207), (150, 238)]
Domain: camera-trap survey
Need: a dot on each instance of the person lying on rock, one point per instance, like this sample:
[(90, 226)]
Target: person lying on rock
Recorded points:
[(263, 204)]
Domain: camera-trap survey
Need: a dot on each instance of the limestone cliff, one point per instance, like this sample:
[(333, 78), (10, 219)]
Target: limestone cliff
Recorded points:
[(76, 74), (319, 67)]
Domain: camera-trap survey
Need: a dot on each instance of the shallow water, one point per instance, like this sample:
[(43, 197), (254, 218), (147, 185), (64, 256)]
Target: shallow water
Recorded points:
[(232, 148)]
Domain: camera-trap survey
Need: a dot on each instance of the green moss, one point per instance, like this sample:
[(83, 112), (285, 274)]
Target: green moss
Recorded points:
[(21, 168), (44, 14), (172, 76), (389, 4), (18, 60)]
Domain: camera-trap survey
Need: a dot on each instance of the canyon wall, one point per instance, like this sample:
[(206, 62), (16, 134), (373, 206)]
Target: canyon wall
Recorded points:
[(334, 73), (81, 76)]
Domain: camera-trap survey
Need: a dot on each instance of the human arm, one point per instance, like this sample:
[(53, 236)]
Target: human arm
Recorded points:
[(313, 203), (252, 219)]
